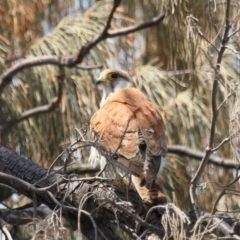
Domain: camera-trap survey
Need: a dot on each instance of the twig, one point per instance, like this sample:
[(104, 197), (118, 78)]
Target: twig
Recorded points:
[(223, 192), (78, 167), (222, 226), (71, 151), (103, 35), (16, 182), (233, 33), (143, 234), (221, 79), (60, 204), (134, 28), (229, 184), (122, 137), (80, 207), (88, 67), (225, 140), (212, 19), (214, 209), (101, 172), (7, 233), (203, 37), (225, 100), (133, 216), (82, 135)]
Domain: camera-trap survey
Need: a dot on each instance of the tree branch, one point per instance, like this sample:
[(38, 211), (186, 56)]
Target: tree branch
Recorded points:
[(198, 155), (67, 192), (19, 216), (37, 110), (106, 203), (72, 61), (78, 168), (215, 111), (137, 27)]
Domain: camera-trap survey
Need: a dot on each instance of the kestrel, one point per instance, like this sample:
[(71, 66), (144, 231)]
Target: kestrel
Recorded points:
[(130, 132)]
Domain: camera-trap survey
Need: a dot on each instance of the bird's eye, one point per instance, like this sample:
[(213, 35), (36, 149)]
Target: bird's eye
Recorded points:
[(114, 75)]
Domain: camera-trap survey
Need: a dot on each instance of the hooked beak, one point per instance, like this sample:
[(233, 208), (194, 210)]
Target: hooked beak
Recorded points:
[(99, 81)]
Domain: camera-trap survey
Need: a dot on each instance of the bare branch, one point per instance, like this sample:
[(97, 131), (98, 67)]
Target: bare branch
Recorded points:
[(225, 100), (211, 17), (38, 110), (203, 37), (83, 168), (225, 140), (208, 150), (133, 216), (88, 67), (198, 155), (233, 33), (72, 61), (21, 216), (223, 192), (103, 35), (78, 168), (137, 27)]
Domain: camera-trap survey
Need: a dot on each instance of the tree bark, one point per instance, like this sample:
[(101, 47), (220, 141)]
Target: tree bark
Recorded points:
[(109, 205)]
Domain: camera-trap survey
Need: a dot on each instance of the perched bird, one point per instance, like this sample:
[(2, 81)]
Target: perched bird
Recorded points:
[(130, 132)]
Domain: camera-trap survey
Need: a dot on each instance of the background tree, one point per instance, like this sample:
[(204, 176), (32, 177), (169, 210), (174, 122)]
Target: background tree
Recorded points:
[(175, 63)]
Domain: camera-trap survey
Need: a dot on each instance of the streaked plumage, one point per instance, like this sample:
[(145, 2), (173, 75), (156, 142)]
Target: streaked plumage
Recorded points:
[(131, 131)]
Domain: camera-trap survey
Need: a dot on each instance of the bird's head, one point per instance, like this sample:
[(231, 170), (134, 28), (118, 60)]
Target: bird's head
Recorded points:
[(113, 80)]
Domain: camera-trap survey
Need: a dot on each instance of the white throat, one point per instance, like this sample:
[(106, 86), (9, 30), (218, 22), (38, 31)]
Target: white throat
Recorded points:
[(113, 87), (107, 92)]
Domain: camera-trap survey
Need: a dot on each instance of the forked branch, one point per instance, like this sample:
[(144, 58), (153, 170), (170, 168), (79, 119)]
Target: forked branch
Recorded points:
[(73, 61)]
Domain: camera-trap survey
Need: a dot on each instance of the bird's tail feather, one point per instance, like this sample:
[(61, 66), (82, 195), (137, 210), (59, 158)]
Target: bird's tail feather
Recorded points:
[(153, 195)]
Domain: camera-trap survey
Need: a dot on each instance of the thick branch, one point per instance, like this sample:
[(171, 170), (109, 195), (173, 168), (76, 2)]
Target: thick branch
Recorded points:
[(66, 193), (23, 216), (107, 205), (198, 155)]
